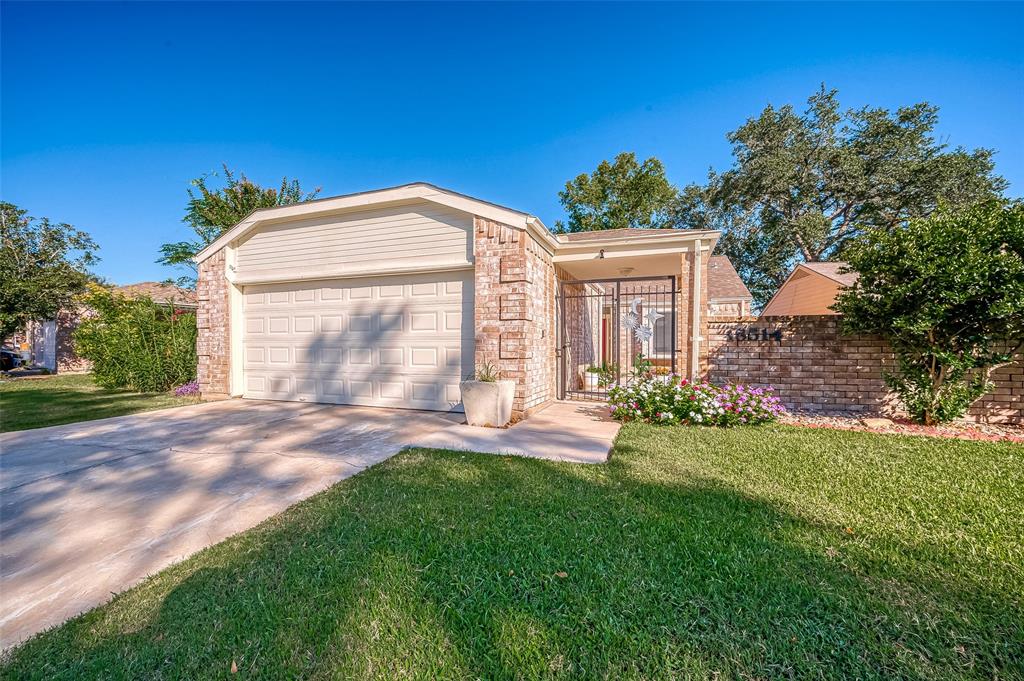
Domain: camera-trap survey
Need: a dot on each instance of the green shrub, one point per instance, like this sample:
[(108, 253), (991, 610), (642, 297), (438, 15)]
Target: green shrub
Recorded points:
[(947, 292), (136, 343)]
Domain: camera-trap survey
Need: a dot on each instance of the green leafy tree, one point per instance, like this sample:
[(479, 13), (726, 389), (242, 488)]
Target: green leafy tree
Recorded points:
[(947, 292), (624, 193), (136, 343), (803, 186), (212, 212), (43, 266)]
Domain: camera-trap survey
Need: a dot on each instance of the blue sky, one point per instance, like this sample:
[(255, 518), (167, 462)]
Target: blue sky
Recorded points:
[(108, 110)]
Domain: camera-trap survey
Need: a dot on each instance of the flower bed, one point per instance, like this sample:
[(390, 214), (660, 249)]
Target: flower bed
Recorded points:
[(669, 400), (189, 389)]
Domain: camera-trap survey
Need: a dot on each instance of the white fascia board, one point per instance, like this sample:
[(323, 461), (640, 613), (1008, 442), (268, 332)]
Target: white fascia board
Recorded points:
[(648, 244), (682, 236), (321, 274), (610, 252), (732, 299)]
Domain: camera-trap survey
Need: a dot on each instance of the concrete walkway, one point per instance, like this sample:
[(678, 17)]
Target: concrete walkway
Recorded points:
[(577, 432), (89, 509)]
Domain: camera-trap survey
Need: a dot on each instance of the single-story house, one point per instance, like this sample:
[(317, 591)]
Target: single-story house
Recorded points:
[(49, 343), (810, 289), (392, 297)]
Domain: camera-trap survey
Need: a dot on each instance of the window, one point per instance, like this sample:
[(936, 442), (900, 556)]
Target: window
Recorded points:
[(663, 335)]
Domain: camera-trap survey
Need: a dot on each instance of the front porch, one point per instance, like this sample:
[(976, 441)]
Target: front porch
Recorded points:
[(629, 305)]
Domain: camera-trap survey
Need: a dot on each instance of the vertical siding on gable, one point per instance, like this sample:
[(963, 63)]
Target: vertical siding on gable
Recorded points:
[(380, 238)]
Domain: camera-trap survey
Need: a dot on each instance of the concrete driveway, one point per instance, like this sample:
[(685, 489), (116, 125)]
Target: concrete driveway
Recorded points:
[(89, 509)]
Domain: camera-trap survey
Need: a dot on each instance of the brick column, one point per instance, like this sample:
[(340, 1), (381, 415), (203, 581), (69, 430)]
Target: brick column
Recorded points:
[(689, 298), (514, 310), (213, 318)]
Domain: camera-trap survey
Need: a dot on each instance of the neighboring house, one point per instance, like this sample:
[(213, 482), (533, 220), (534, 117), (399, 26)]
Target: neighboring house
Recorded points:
[(160, 292), (392, 297), (728, 296), (49, 343), (810, 289)]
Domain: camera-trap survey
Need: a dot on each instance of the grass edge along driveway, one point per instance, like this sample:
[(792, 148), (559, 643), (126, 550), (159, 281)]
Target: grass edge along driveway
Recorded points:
[(752, 552), (38, 402)]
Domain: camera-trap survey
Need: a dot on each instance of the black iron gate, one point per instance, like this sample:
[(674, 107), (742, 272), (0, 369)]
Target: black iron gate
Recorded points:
[(613, 332)]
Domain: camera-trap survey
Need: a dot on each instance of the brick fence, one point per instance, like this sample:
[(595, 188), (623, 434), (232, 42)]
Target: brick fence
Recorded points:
[(815, 368)]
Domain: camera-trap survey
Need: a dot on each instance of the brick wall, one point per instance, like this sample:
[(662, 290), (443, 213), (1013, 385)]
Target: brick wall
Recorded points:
[(514, 310), (815, 368), (541, 378), (213, 345)]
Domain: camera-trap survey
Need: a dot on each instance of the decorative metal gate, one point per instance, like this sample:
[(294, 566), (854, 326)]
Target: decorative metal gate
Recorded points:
[(614, 331)]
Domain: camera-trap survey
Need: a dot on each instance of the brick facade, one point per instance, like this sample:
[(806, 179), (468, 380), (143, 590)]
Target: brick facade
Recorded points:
[(514, 300), (213, 319), (815, 368)]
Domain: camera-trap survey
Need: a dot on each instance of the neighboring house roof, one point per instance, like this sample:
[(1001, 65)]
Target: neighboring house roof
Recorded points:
[(810, 289), (832, 271), (159, 292), (723, 281)]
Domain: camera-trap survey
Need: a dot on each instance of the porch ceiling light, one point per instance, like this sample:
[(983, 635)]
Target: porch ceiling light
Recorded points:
[(626, 271)]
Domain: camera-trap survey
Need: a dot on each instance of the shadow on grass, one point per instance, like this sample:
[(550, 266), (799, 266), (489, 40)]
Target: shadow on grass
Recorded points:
[(450, 565)]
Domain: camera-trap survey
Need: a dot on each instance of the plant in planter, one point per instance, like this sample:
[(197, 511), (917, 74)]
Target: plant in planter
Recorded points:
[(597, 377), (486, 399), (608, 374)]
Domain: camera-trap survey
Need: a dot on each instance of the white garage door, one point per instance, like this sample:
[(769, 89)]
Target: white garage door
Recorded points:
[(386, 341)]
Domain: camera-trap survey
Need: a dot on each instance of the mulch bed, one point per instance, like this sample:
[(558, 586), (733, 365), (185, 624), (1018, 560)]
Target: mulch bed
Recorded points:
[(989, 432)]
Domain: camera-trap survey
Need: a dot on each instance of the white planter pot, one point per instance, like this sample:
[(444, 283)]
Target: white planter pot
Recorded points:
[(488, 403), (591, 380)]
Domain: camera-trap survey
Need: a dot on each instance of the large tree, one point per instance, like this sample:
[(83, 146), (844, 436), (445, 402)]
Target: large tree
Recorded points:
[(623, 193), (948, 293), (803, 185), (212, 212), (43, 266)]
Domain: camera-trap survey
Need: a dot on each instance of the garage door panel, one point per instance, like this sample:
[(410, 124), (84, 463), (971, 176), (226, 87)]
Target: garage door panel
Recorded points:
[(405, 392), (377, 341)]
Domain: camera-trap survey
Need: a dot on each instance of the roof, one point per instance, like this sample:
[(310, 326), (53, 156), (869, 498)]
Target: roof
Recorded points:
[(159, 292), (832, 271), (414, 191), (423, 191), (723, 281)]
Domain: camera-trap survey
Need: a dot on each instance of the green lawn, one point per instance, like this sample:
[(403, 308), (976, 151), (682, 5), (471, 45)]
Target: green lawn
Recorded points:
[(52, 400), (770, 552)]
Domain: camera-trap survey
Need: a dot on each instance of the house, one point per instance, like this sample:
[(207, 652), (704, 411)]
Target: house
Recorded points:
[(810, 289), (49, 343), (728, 296), (392, 297)]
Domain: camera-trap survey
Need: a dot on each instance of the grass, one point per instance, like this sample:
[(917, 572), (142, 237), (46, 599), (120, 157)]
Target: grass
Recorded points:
[(771, 552), (54, 400)]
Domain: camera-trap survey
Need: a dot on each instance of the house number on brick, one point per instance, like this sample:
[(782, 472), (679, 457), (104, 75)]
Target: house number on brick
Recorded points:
[(754, 333)]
